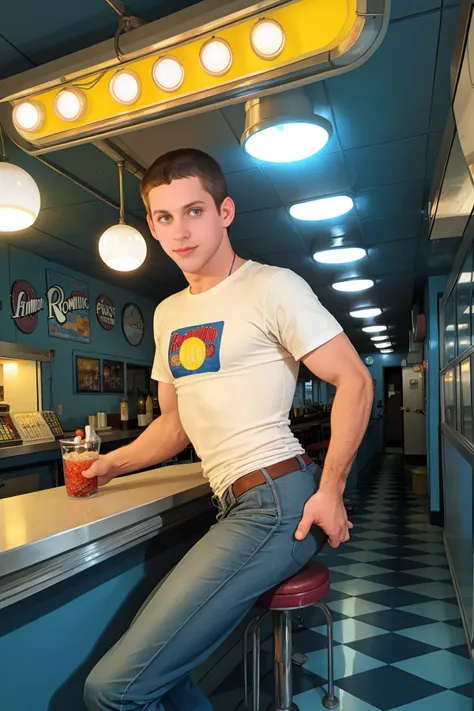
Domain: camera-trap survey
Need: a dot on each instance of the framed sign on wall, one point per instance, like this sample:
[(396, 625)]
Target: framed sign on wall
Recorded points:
[(133, 325)]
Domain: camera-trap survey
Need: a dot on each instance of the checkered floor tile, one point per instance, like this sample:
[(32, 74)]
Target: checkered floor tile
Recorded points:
[(399, 640)]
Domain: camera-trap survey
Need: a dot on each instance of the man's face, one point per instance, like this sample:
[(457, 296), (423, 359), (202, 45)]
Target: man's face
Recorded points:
[(185, 221)]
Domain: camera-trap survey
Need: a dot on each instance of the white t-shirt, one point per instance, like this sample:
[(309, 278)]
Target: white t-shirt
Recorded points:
[(232, 354)]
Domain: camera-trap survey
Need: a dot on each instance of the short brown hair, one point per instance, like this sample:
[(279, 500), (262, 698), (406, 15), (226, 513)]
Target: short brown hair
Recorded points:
[(185, 163)]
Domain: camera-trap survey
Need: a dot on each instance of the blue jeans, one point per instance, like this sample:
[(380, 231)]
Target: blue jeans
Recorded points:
[(250, 549)]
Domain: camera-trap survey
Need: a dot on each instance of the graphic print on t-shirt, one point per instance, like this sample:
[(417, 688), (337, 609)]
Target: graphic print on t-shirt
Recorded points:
[(195, 349)]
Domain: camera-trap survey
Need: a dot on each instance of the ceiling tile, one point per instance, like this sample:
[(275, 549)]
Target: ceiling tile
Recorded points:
[(103, 178), (404, 8), (389, 96), (393, 257), (392, 228), (251, 190), (11, 60), (273, 224), (390, 200), (208, 131), (385, 163), (396, 290), (323, 174), (442, 87)]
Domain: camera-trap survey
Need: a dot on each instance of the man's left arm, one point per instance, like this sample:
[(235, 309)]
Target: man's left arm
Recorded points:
[(337, 363)]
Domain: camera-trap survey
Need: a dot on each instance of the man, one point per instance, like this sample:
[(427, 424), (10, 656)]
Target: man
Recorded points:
[(227, 357)]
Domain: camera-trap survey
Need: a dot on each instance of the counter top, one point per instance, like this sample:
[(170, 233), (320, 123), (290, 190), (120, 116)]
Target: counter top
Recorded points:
[(38, 526)]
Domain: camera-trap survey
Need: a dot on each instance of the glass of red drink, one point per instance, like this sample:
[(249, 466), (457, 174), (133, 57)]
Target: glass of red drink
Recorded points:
[(77, 458)]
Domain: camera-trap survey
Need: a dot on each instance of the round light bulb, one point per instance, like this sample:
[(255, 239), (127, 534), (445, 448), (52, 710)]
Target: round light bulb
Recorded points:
[(340, 255), (168, 73), (287, 142), (125, 87), (216, 57), (122, 248), (29, 116), (267, 39), (70, 104), (20, 199), (352, 285), (365, 313)]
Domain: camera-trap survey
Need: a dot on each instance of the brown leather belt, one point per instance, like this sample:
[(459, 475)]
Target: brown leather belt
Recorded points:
[(248, 481)]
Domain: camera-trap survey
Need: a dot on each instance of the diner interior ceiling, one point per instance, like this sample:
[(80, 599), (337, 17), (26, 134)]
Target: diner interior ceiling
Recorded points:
[(388, 117)]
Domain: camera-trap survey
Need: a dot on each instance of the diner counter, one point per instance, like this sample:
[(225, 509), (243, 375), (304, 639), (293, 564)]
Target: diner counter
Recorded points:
[(46, 536), (21, 450)]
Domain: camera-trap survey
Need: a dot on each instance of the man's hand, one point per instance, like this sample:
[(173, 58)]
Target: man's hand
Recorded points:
[(326, 510), (103, 468)]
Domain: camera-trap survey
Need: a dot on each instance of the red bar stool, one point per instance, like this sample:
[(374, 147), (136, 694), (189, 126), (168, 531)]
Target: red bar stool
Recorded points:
[(305, 589)]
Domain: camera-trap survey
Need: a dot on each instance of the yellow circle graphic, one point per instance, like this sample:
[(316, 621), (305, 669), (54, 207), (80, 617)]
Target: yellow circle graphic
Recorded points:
[(192, 353)]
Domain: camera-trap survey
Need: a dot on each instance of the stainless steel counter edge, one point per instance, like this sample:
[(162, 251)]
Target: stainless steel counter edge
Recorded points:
[(152, 519), (43, 549)]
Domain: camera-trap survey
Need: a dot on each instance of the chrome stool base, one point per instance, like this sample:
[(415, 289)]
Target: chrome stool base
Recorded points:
[(283, 660)]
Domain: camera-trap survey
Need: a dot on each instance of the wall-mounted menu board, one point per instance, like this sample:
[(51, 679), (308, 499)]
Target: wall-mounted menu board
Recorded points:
[(32, 427), (8, 432)]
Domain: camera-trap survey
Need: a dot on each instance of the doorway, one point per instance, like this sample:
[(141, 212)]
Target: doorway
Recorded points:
[(393, 408)]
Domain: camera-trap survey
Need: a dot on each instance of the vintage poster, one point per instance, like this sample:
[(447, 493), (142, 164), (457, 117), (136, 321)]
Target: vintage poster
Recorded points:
[(68, 307)]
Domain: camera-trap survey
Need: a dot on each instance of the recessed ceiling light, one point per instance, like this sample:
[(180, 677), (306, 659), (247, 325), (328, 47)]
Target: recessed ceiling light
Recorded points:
[(374, 329), (323, 208), (465, 278), (340, 255), (353, 285), (387, 350), (385, 344), (378, 338), (365, 313)]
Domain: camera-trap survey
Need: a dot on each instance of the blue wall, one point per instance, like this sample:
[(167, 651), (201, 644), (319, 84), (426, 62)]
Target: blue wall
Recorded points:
[(434, 287), (18, 264)]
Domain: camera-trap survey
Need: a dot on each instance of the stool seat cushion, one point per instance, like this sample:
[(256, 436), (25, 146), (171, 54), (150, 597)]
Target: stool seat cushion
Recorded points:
[(310, 585)]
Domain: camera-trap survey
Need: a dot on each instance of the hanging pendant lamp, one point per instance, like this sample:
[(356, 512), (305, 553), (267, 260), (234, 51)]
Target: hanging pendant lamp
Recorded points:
[(283, 128), (20, 199), (121, 246)]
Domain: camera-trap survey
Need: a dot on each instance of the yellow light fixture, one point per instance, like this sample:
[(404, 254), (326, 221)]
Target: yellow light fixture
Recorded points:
[(267, 38), (70, 104), (234, 54), (121, 246), (29, 116), (168, 73), (215, 57), (125, 87)]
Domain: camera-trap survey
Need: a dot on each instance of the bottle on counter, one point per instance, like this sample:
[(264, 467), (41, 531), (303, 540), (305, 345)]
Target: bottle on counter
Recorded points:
[(141, 410), (124, 414), (149, 409)]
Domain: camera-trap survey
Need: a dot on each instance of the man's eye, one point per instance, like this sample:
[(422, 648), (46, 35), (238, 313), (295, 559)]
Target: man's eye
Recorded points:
[(195, 212), (164, 218)]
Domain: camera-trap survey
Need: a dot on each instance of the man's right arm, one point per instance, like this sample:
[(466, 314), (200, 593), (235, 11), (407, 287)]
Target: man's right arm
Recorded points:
[(161, 440)]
